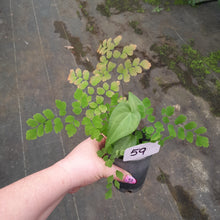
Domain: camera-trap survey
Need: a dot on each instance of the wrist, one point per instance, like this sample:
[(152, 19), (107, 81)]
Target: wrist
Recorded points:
[(69, 174)]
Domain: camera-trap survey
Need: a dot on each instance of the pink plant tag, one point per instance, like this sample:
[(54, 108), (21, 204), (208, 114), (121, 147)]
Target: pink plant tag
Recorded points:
[(141, 151)]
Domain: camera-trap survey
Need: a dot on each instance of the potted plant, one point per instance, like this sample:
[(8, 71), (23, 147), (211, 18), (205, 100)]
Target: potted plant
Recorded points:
[(118, 118)]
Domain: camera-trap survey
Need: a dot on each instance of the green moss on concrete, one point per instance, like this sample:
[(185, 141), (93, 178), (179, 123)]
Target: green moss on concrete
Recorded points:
[(196, 72), (110, 7), (135, 26)]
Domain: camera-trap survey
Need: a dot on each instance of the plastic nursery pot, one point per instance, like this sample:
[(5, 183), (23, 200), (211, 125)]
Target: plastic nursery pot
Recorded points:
[(138, 170)]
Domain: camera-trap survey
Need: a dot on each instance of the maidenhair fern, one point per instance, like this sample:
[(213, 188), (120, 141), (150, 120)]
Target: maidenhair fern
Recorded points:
[(105, 112), (92, 90)]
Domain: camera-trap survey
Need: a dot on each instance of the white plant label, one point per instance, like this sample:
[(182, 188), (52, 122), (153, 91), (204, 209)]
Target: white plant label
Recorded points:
[(141, 151)]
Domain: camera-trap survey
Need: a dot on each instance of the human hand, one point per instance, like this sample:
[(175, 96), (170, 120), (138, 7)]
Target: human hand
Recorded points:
[(85, 167)]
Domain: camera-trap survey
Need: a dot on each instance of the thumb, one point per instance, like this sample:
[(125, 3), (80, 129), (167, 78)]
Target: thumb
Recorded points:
[(127, 177)]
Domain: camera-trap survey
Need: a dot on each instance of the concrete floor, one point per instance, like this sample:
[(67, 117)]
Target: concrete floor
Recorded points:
[(34, 65)]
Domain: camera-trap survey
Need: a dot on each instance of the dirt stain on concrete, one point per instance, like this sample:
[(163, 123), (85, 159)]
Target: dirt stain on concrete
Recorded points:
[(184, 200), (78, 50)]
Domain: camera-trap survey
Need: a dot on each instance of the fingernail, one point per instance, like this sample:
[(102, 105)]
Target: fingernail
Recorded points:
[(130, 179)]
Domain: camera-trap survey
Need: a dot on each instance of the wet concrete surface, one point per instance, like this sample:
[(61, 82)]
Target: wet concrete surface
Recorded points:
[(34, 65)]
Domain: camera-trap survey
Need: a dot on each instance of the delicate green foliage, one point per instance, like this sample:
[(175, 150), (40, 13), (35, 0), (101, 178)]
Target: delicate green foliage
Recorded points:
[(84, 100), (147, 103), (189, 136), (48, 126), (117, 184), (136, 61), (169, 111), (103, 108), (70, 129), (97, 122), (85, 121), (76, 104), (171, 130), (39, 118), (141, 110), (93, 105), (105, 158), (149, 111), (32, 123), (83, 85), (116, 54), (115, 86), (159, 126), (114, 99), (127, 64), (109, 163), (78, 72), (119, 174), (103, 59), (58, 125), (138, 69), (191, 125), (100, 91), (145, 64), (78, 81), (181, 133), (117, 40), (109, 93), (40, 130), (149, 130), (108, 195), (49, 114), (97, 111), (106, 86), (86, 75), (31, 134), (166, 120), (76, 123), (95, 80), (138, 135), (99, 99), (72, 76), (109, 186), (202, 141), (201, 130), (109, 54), (78, 94), (61, 106), (133, 71), (120, 68), (151, 118), (180, 119), (100, 153), (156, 137), (129, 49), (77, 111), (123, 55), (161, 141), (110, 179), (90, 113), (69, 119), (91, 90), (111, 66), (163, 111)]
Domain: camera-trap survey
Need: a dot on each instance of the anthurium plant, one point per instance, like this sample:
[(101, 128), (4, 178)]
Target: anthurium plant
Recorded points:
[(104, 112)]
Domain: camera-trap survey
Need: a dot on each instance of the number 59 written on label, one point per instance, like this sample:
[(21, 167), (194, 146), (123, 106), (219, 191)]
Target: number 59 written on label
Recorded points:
[(134, 152)]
